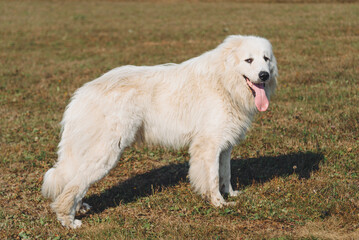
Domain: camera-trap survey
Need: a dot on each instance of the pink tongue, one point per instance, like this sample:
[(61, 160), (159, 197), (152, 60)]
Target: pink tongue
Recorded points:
[(260, 99)]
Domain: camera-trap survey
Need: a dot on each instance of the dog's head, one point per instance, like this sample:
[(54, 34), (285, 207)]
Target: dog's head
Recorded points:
[(252, 60)]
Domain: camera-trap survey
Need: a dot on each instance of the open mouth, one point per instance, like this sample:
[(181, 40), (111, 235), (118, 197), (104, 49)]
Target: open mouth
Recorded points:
[(250, 85), (260, 97)]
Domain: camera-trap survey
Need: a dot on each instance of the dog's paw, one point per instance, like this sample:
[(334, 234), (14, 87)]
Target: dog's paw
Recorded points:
[(234, 193), (84, 208), (73, 224), (221, 204), (229, 203), (76, 224), (217, 201)]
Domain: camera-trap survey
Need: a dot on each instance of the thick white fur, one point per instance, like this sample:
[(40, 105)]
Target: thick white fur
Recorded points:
[(204, 103)]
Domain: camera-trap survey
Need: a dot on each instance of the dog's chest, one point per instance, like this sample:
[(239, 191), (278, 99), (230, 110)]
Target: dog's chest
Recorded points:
[(237, 125)]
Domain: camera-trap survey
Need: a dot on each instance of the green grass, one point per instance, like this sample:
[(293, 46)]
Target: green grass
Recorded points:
[(298, 169)]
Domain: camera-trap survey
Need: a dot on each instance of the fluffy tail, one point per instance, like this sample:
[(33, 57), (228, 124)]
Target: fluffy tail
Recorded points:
[(53, 184)]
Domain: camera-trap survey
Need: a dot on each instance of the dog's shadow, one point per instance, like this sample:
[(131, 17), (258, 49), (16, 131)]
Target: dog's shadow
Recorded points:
[(244, 172)]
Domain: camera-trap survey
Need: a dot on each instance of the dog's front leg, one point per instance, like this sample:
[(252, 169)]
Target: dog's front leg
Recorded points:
[(225, 185), (214, 179), (204, 171)]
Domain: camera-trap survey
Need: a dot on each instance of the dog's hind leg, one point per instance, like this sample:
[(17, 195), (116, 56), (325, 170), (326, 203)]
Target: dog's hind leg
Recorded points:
[(90, 171), (225, 185), (99, 159)]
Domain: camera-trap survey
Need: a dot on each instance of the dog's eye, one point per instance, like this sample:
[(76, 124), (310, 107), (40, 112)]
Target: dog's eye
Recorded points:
[(266, 59), (249, 60)]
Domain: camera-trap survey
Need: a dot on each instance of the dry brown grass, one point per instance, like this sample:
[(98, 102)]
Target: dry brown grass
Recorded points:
[(298, 168)]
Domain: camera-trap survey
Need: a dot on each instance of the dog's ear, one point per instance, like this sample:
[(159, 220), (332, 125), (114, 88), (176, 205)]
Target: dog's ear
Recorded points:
[(274, 75), (231, 58), (274, 69), (232, 50)]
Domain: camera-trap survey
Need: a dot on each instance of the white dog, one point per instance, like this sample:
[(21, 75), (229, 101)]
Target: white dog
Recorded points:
[(206, 103)]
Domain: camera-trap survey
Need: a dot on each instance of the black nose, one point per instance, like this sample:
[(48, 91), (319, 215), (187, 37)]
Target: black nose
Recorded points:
[(263, 75)]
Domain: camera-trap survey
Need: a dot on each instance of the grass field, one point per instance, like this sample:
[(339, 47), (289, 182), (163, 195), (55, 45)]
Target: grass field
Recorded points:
[(298, 168)]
